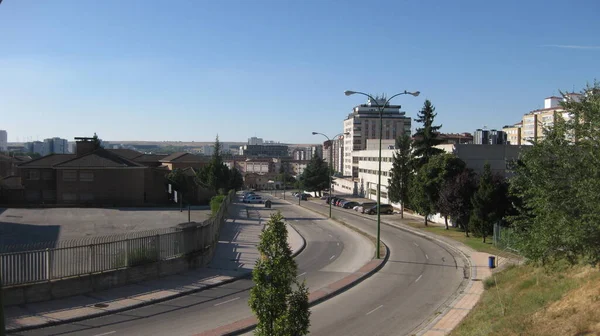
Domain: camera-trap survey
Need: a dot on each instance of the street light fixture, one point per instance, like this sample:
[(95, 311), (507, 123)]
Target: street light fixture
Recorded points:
[(380, 108), (330, 161)]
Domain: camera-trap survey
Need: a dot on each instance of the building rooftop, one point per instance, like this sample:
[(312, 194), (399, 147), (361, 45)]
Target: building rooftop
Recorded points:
[(100, 158), (183, 157), (47, 161), (126, 153), (150, 157)]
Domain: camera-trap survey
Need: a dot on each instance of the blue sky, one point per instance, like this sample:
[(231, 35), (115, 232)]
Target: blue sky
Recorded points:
[(191, 69)]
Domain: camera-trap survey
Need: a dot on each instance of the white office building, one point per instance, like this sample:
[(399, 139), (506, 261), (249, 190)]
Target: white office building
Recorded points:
[(363, 124)]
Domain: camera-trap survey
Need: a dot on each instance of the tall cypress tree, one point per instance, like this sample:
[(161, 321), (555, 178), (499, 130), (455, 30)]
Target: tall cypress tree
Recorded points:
[(426, 136), (400, 173)]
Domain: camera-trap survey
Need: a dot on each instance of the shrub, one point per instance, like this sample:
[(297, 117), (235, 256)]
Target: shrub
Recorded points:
[(137, 256), (215, 203)]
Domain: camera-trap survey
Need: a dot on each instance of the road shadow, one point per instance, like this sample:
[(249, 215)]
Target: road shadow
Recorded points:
[(423, 263)]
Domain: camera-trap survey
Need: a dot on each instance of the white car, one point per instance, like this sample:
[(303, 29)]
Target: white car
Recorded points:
[(253, 199)]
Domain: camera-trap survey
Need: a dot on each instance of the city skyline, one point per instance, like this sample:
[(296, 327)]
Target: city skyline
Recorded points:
[(190, 71)]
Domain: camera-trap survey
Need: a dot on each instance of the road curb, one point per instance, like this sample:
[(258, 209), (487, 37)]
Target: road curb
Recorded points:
[(52, 323)]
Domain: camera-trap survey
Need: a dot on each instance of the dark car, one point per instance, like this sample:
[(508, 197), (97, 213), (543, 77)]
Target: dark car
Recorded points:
[(330, 199), (339, 202), (385, 208), (364, 207), (349, 205)]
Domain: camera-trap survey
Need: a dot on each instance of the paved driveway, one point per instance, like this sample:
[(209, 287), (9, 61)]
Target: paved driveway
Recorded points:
[(24, 226)]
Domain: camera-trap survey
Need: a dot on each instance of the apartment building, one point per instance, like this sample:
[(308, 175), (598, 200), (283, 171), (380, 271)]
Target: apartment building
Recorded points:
[(363, 124), (532, 125), (489, 137), (265, 150)]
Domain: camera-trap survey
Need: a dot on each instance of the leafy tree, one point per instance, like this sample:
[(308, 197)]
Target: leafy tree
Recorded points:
[(428, 182), (97, 142), (280, 310), (178, 181), (316, 175), (455, 198), (557, 180), (490, 202), (215, 175), (236, 180), (425, 138), (400, 173)]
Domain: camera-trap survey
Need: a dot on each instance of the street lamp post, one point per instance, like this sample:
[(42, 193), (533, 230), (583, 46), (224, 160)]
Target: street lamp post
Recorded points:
[(380, 108), (330, 162)]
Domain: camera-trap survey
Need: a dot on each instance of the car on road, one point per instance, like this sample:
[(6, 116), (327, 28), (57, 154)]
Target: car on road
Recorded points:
[(350, 205), (330, 199), (385, 208), (365, 206), (253, 199), (248, 193)]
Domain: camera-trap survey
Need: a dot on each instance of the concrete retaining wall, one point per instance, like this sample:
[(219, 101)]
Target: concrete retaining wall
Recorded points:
[(57, 289)]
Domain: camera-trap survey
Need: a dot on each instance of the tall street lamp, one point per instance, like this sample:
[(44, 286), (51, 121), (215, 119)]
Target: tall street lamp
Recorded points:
[(380, 108), (330, 161)]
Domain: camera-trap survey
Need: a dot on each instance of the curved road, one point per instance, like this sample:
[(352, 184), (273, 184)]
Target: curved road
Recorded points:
[(332, 251), (418, 278)]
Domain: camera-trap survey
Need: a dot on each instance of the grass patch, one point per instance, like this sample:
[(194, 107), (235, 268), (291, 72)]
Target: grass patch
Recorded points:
[(453, 233), (531, 300)]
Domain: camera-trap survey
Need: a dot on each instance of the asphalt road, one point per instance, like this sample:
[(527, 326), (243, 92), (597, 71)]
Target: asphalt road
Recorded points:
[(332, 251), (419, 276)]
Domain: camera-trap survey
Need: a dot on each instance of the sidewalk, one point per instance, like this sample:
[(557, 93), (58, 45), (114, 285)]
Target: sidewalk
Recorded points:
[(233, 259), (457, 307)]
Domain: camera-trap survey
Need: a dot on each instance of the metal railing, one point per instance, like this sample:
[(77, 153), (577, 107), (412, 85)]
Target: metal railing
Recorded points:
[(108, 253)]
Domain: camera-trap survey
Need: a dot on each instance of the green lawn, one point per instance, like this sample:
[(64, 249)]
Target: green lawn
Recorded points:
[(475, 243)]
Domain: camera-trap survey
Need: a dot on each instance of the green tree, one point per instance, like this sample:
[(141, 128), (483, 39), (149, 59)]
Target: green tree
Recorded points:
[(215, 175), (557, 180), (400, 173), (316, 175), (97, 142), (455, 198), (426, 137), (280, 310), (236, 180), (490, 202), (427, 183)]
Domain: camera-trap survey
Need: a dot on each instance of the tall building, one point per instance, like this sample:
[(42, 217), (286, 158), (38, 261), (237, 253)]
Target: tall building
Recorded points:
[(56, 145), (531, 127), (481, 136), (307, 152), (38, 147), (255, 141), (363, 124), (3, 141), (264, 151)]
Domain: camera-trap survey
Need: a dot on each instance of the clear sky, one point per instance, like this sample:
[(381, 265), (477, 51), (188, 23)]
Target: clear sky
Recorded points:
[(189, 70)]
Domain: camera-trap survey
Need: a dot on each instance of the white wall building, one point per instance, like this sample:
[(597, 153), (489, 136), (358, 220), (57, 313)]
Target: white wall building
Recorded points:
[(208, 149), (363, 124), (3, 141), (255, 141)]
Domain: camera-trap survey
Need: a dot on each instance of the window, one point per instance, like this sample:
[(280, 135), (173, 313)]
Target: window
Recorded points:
[(48, 175), (86, 176), (86, 197), (33, 174), (69, 197), (70, 176)]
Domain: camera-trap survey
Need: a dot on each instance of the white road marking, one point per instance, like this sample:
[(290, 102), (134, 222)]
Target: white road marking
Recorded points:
[(300, 275), (417, 245), (374, 309), (331, 236), (338, 244), (426, 256), (224, 302), (107, 333), (333, 256), (419, 278)]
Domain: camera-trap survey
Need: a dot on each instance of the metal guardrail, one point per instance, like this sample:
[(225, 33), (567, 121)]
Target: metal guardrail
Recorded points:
[(108, 253)]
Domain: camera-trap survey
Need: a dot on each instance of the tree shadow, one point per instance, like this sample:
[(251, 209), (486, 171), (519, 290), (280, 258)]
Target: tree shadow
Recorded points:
[(17, 237)]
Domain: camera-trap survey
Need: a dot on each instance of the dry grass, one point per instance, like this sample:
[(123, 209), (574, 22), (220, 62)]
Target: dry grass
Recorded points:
[(538, 301)]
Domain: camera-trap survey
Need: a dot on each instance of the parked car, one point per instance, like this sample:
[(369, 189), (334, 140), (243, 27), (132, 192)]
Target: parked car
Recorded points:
[(340, 202), (253, 199), (331, 199), (349, 205), (385, 208), (355, 208), (365, 206), (248, 193)]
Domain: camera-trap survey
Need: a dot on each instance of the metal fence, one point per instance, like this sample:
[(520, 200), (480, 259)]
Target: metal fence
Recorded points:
[(504, 238), (109, 253)]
